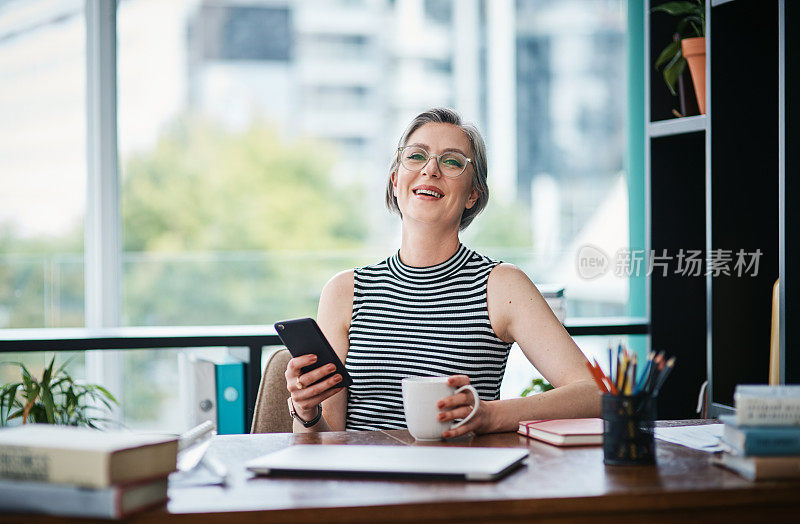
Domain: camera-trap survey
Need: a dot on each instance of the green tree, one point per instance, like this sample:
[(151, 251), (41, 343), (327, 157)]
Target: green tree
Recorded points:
[(505, 226), (202, 188), (213, 222)]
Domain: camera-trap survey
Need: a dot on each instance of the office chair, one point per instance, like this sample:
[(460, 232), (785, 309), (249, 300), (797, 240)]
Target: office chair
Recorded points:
[(271, 415)]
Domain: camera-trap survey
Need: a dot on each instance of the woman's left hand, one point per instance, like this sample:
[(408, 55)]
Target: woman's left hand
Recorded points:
[(459, 406)]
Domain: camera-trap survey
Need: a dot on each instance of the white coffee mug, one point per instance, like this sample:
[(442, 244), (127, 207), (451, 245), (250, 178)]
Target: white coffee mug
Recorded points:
[(420, 397)]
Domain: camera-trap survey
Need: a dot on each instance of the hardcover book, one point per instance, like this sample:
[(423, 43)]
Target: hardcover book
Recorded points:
[(761, 405), (760, 440), (760, 468), (72, 501), (564, 432), (84, 457)]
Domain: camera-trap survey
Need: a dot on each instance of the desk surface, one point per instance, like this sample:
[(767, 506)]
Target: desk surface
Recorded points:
[(558, 485)]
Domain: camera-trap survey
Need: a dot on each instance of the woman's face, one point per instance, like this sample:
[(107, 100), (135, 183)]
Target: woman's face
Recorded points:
[(453, 195)]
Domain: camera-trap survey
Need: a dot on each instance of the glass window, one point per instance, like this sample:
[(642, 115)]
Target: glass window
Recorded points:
[(254, 140), (261, 178), (42, 171)]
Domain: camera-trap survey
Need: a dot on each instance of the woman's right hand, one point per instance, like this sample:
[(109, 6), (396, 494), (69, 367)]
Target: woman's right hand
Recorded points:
[(306, 397)]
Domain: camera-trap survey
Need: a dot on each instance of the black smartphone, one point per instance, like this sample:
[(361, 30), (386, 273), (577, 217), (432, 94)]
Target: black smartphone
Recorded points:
[(303, 336)]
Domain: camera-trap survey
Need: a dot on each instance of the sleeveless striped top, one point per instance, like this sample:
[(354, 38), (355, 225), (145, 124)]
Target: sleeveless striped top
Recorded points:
[(412, 321)]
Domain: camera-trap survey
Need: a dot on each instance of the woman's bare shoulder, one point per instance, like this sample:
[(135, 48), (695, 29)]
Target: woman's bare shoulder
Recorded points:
[(507, 277), (341, 281), (338, 291)]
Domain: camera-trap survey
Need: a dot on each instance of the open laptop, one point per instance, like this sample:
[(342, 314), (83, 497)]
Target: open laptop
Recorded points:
[(465, 463)]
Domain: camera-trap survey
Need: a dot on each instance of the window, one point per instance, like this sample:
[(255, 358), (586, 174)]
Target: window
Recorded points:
[(253, 144), (244, 33), (43, 170)]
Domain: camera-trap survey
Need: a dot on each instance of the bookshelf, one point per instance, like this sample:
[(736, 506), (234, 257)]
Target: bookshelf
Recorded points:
[(718, 183), (677, 126)]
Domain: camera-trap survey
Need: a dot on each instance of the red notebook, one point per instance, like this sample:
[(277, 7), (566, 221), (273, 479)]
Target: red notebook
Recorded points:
[(564, 432)]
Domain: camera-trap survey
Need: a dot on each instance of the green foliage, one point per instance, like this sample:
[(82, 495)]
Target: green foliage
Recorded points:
[(537, 385), (41, 279), (692, 24), (217, 218), (506, 226), (202, 188), (55, 398)]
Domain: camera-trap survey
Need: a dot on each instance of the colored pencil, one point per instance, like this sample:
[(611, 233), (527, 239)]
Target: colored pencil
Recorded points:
[(596, 377), (663, 375)]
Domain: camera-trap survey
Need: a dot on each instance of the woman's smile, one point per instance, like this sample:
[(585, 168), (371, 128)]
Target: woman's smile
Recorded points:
[(417, 190), (427, 192)]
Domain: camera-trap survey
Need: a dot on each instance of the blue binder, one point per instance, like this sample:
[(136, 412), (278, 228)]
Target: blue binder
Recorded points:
[(230, 376)]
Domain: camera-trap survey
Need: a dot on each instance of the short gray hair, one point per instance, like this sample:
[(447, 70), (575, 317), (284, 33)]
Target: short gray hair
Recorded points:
[(443, 115)]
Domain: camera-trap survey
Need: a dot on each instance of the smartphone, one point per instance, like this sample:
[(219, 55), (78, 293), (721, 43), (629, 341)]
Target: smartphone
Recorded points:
[(303, 336)]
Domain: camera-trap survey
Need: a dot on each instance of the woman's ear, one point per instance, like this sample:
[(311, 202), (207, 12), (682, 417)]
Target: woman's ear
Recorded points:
[(473, 197), (394, 182)]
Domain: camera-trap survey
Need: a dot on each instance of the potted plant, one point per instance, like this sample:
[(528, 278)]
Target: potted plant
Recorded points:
[(54, 398), (688, 46), (537, 385)]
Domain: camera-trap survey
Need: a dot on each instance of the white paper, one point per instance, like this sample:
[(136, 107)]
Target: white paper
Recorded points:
[(705, 437)]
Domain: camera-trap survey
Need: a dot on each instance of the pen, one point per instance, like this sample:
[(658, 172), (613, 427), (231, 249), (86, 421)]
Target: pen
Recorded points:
[(196, 434), (216, 467), (663, 375)]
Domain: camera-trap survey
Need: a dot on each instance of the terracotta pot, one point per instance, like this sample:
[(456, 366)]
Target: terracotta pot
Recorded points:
[(694, 50)]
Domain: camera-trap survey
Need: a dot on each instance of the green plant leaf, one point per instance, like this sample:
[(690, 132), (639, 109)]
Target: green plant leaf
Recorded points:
[(107, 393), (27, 379), (49, 406), (668, 54), (54, 399), (677, 8), (8, 399), (48, 372), (673, 71), (37, 415), (63, 366)]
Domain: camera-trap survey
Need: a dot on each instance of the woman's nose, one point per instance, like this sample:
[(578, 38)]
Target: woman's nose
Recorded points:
[(431, 168)]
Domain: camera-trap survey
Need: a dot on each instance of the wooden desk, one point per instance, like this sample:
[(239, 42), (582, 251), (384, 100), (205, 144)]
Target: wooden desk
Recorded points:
[(559, 485)]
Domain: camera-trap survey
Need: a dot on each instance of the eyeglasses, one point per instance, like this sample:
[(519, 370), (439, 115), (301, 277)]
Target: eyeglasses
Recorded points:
[(414, 158)]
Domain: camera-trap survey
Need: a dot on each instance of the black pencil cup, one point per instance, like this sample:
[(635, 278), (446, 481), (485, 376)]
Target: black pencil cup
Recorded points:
[(628, 429)]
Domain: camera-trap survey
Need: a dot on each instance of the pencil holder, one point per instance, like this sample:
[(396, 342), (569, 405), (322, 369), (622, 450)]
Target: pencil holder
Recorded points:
[(628, 429)]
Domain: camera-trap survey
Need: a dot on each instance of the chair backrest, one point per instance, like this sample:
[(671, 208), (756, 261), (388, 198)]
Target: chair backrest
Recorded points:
[(271, 413)]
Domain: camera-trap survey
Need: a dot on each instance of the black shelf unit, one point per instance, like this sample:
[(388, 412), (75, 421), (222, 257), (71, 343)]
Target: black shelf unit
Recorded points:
[(677, 193), (744, 181), (725, 182)]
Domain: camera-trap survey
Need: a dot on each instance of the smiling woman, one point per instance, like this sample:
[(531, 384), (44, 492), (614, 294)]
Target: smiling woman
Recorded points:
[(437, 308), (464, 159)]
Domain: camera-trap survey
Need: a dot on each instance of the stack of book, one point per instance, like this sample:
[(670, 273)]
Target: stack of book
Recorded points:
[(81, 472), (762, 440)]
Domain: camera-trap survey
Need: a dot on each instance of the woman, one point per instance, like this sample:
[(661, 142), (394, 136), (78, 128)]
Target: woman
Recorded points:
[(437, 308)]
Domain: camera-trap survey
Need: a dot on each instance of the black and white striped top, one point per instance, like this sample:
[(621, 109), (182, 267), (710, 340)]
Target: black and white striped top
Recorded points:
[(410, 321)]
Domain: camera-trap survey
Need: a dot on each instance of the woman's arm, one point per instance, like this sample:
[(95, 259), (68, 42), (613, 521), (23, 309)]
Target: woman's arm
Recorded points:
[(518, 313), (333, 316)]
